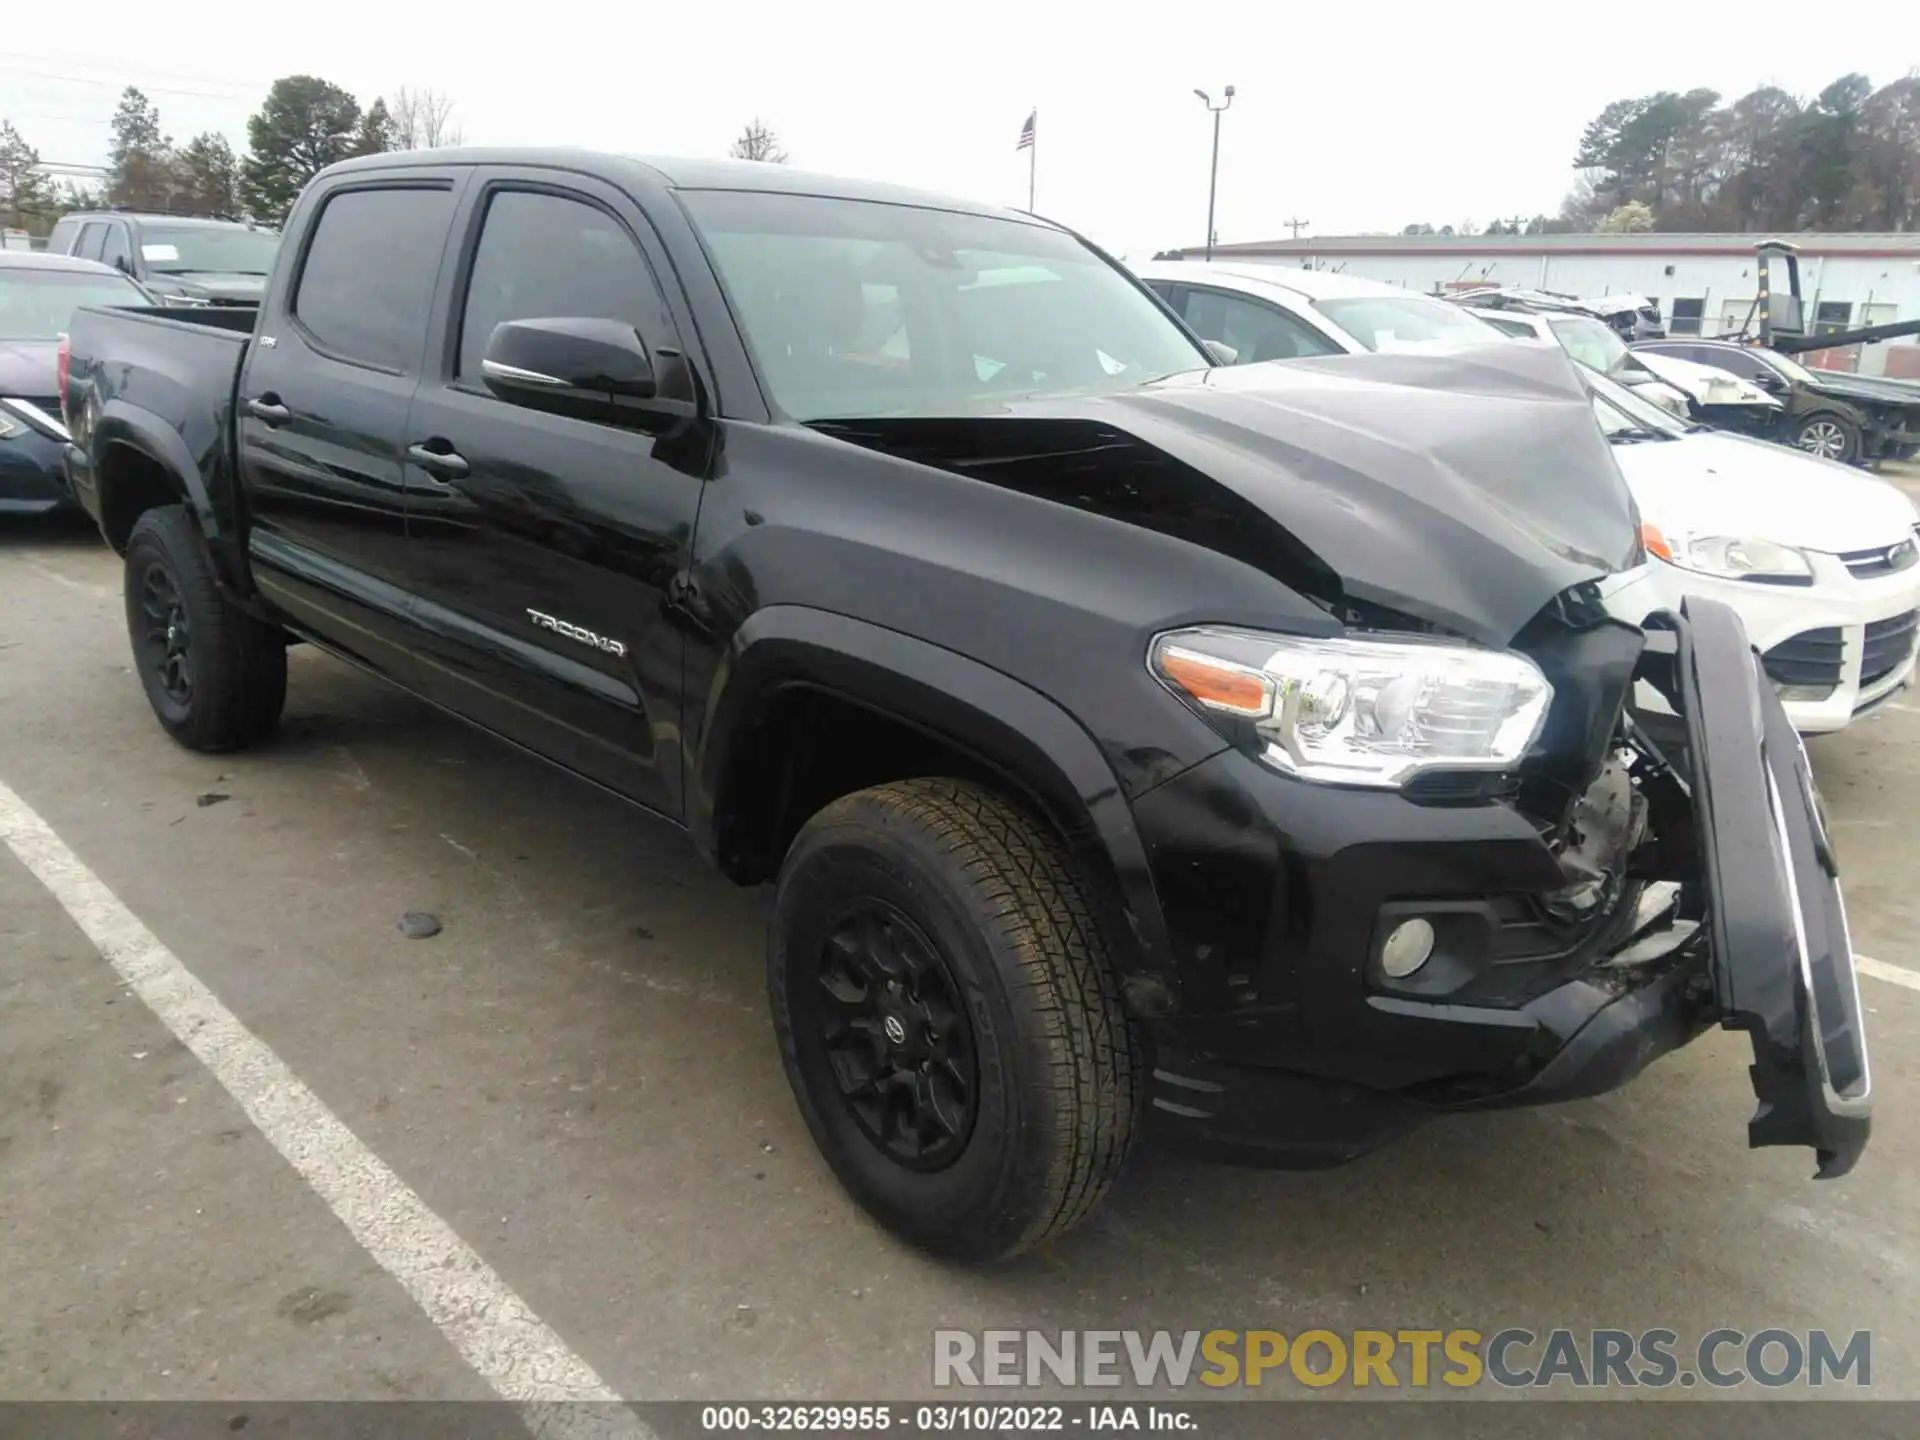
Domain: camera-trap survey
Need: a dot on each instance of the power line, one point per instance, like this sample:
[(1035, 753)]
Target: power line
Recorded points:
[(160, 76), (236, 97)]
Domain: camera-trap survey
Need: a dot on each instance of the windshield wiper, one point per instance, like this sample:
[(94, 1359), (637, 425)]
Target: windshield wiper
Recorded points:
[(1633, 434)]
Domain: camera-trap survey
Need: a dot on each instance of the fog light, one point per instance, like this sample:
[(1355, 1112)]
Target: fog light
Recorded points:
[(1408, 947), (1809, 693)]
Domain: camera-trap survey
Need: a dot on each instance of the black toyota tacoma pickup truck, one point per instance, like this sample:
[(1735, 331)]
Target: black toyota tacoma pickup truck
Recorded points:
[(1135, 745)]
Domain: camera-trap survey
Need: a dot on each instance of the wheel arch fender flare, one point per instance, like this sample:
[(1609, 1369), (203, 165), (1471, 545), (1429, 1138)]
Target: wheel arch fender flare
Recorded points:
[(1001, 722), (120, 423)]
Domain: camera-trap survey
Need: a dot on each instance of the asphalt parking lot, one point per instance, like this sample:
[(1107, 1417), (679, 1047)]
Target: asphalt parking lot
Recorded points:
[(576, 1077)]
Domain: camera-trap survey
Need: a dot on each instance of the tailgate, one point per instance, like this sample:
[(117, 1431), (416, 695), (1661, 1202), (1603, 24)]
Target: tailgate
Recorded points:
[(1782, 959)]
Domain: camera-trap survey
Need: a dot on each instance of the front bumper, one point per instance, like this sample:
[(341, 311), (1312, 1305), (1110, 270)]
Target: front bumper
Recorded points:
[(1292, 1047), (1854, 637), (32, 474)]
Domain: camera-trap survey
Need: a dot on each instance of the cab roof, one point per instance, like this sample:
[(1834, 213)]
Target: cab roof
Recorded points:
[(679, 173)]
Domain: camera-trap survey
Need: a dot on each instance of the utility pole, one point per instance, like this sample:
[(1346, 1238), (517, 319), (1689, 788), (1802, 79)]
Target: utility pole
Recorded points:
[(1296, 226), (1213, 175)]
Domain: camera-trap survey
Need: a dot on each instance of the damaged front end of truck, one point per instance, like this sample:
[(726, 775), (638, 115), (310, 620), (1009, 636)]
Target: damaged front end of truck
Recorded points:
[(1533, 920)]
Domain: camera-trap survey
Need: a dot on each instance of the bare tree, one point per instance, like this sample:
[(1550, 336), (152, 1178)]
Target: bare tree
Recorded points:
[(758, 142), (422, 120)]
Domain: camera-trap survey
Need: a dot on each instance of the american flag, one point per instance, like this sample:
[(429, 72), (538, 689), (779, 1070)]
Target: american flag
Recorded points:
[(1026, 132)]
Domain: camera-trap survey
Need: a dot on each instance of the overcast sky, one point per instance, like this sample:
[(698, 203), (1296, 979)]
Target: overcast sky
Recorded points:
[(1353, 117)]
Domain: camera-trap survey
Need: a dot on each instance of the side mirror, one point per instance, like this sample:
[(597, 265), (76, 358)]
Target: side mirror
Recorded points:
[(526, 358), (124, 264), (1225, 354), (1770, 382)]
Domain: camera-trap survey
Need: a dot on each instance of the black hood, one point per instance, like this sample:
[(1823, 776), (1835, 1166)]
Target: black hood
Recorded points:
[(1865, 387), (210, 285), (29, 369), (1464, 489)]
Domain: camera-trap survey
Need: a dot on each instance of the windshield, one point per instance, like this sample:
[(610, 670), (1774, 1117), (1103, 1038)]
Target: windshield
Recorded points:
[(1592, 342), (208, 249), (39, 304), (1623, 415), (1406, 322), (1792, 369), (857, 309)]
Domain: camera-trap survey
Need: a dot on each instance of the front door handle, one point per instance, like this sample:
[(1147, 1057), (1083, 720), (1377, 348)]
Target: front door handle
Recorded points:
[(442, 464), (269, 409)]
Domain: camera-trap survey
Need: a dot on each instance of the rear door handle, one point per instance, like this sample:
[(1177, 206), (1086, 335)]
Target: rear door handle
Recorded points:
[(269, 409), (443, 464)]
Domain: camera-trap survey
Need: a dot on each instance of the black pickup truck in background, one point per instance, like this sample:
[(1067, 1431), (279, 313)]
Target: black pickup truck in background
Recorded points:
[(1136, 745), (184, 259)]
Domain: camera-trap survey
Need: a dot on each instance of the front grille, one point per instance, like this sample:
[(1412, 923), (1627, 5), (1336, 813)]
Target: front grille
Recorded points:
[(1812, 657), (1887, 645), (1881, 560)]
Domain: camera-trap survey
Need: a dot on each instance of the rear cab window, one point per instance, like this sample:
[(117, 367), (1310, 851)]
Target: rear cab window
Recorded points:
[(366, 282)]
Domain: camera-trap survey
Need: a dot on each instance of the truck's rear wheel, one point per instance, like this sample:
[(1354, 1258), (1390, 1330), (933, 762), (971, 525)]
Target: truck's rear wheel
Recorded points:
[(215, 676), (949, 1022)]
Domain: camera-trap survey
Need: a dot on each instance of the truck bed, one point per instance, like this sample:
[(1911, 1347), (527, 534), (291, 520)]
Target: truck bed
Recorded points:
[(159, 368)]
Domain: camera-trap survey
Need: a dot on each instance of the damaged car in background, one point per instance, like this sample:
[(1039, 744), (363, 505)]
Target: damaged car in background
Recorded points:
[(1137, 745)]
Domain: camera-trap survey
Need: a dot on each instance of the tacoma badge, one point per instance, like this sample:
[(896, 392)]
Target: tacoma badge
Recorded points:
[(576, 632)]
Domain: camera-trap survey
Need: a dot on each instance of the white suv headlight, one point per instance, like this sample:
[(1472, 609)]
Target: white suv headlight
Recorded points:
[(1360, 712), (1733, 557)]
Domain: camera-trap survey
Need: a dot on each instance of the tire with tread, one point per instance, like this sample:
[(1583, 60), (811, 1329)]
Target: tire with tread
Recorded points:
[(1060, 1072), (239, 661)]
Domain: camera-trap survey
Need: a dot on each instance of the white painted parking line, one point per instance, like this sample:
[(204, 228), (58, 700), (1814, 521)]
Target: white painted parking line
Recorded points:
[(1892, 974), (491, 1327)]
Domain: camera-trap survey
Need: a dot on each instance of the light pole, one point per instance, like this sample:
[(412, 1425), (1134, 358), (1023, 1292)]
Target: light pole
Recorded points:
[(1213, 175)]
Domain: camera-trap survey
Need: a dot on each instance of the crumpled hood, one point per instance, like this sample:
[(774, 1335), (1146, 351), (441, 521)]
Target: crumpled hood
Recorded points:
[(29, 369), (1720, 484), (1704, 383), (210, 285), (1466, 489)]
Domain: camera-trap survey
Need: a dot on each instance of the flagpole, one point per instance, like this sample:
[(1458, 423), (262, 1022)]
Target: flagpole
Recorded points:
[(1033, 157)]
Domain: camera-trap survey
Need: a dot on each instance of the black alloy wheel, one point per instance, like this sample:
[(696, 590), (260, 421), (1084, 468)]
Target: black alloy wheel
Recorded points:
[(948, 1017), (167, 640), (894, 1034)]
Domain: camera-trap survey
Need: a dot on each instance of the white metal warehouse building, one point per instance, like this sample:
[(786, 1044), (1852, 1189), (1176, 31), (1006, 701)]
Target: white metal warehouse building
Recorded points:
[(1704, 284)]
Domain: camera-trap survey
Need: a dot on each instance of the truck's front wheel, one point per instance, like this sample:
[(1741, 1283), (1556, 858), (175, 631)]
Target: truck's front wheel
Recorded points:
[(215, 676), (948, 1018)]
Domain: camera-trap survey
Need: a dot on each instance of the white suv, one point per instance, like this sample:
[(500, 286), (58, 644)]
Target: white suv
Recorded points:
[(1818, 559)]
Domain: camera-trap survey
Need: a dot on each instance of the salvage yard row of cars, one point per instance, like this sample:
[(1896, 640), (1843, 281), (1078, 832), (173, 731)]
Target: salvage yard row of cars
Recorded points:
[(1819, 559), (1260, 757)]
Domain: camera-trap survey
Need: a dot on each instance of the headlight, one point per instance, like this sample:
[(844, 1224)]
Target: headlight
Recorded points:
[(1359, 712), (1732, 557), (10, 427)]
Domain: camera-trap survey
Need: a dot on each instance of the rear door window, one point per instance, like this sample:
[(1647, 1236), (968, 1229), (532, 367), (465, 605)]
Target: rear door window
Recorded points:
[(366, 284)]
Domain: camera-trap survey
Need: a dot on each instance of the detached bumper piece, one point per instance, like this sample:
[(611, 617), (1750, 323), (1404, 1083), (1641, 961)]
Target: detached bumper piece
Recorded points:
[(1782, 958)]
